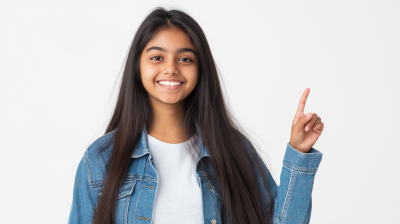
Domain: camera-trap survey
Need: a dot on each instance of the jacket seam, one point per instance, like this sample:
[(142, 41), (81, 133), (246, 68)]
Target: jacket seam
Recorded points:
[(127, 202), (299, 169), (288, 197), (130, 178), (86, 158), (140, 192), (109, 133), (137, 202), (214, 191), (89, 169), (216, 194)]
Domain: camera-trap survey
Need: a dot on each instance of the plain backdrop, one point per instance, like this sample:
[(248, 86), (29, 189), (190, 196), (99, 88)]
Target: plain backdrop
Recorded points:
[(60, 62)]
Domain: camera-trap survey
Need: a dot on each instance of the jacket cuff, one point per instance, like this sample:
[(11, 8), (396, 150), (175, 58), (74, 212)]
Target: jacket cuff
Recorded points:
[(302, 162)]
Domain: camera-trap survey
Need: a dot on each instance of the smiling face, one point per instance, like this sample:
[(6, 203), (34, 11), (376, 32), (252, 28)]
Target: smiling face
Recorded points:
[(168, 67)]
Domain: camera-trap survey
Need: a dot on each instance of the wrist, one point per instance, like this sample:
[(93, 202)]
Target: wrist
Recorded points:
[(299, 148)]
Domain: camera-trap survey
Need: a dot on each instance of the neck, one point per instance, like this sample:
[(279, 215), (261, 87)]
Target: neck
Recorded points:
[(166, 124)]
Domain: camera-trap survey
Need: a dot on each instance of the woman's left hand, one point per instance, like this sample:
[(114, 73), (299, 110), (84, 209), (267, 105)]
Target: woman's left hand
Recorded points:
[(306, 129)]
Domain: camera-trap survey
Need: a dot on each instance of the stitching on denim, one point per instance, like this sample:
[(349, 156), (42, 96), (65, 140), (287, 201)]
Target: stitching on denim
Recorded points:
[(146, 177), (215, 191), (128, 200), (286, 198), (289, 192), (299, 169), (129, 191), (144, 218), (204, 176), (139, 176), (137, 202), (109, 133), (140, 192), (89, 169), (208, 184), (137, 157), (151, 187), (158, 179)]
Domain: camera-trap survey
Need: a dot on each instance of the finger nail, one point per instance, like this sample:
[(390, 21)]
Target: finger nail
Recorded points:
[(309, 115)]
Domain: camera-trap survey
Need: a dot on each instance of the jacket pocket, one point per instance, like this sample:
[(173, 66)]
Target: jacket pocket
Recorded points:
[(126, 188), (123, 200)]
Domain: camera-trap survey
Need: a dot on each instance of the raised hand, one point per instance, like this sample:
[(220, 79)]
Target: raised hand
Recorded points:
[(306, 129)]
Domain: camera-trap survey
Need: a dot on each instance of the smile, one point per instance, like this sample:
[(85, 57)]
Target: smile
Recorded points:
[(169, 85)]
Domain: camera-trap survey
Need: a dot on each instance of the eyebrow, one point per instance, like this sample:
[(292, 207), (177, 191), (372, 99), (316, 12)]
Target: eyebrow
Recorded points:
[(180, 50)]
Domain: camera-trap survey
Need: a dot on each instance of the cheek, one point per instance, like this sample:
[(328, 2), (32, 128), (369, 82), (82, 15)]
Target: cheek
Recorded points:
[(148, 75), (193, 79)]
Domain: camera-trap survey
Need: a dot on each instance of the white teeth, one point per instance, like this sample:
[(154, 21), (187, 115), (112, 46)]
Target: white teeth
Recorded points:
[(168, 83)]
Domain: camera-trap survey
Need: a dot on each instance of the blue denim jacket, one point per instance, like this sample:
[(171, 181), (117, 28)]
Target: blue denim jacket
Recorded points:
[(137, 194)]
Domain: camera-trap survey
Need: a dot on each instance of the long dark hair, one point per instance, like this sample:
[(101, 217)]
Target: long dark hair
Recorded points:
[(232, 155)]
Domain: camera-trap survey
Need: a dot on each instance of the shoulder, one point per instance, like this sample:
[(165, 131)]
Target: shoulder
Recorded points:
[(100, 147), (96, 156)]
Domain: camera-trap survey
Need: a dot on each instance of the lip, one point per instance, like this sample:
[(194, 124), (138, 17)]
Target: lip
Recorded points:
[(173, 80), (170, 87)]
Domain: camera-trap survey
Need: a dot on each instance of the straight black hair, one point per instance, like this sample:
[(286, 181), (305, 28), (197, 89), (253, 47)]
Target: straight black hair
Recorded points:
[(232, 156)]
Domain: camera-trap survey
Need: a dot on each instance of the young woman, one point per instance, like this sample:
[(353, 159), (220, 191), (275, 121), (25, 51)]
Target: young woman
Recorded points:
[(173, 153)]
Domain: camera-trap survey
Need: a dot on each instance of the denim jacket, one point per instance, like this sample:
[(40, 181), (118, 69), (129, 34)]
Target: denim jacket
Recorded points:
[(135, 202)]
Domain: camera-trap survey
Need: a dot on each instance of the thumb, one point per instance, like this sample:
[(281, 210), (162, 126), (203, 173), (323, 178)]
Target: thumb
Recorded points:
[(299, 126)]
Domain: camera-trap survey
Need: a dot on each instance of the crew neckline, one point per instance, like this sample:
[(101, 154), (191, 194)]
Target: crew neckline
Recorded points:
[(171, 144)]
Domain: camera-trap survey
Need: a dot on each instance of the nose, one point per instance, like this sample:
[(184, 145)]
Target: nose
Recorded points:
[(170, 67)]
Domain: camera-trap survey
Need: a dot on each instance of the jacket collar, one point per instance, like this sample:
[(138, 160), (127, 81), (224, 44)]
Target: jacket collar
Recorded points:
[(142, 147)]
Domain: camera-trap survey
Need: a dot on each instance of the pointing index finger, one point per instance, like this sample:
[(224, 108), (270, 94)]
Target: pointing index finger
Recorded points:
[(302, 104)]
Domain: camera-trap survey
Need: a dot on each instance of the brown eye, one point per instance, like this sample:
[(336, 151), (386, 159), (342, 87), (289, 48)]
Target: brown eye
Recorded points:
[(190, 60), (155, 57)]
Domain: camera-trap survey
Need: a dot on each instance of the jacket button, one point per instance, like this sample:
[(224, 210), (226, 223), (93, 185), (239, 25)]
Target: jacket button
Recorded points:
[(213, 221)]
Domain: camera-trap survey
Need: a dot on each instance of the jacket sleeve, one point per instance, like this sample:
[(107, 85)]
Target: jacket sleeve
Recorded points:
[(84, 198), (293, 196)]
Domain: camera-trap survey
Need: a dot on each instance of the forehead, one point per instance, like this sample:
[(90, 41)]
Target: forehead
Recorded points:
[(170, 39)]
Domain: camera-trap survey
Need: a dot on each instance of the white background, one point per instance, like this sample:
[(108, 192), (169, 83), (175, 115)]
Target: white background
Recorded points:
[(60, 61)]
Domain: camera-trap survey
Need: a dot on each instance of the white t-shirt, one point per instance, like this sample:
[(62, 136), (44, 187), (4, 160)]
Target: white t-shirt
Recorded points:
[(178, 198)]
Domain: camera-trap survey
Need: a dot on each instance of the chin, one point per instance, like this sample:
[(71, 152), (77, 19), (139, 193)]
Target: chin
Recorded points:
[(169, 100)]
